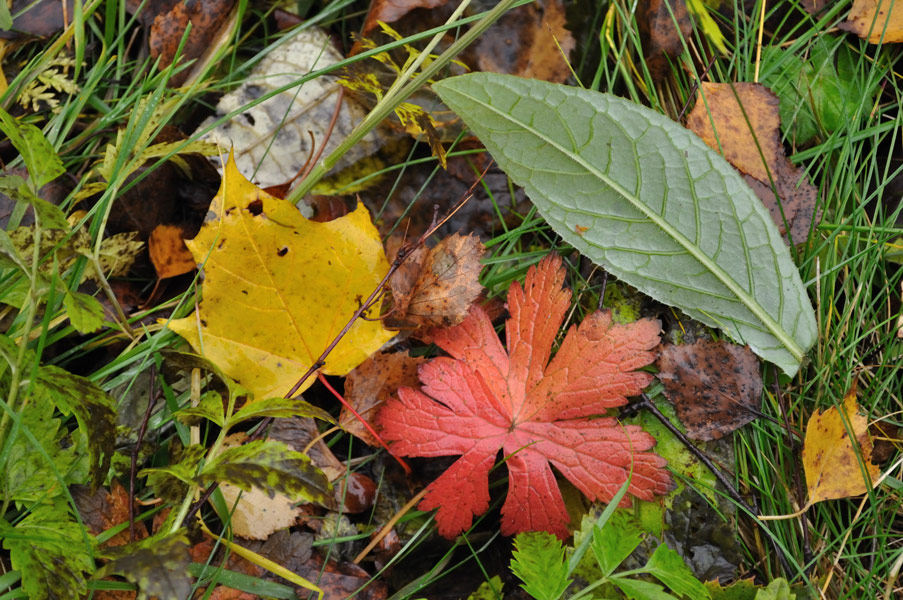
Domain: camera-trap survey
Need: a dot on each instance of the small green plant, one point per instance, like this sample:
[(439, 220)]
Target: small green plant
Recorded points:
[(546, 567)]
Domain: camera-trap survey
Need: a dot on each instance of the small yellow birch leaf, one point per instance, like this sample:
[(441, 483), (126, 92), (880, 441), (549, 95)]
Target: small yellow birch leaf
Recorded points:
[(278, 288), (829, 457)]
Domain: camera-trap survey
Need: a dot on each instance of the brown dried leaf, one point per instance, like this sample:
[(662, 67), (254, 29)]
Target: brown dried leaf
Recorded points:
[(873, 20), (664, 25), (530, 41), (372, 383), (105, 509), (168, 251), (297, 433), (446, 285), (714, 386), (742, 122), (255, 515), (42, 18), (206, 19), (389, 11), (341, 580)]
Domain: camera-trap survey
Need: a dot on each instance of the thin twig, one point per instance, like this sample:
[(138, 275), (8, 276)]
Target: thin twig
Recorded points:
[(133, 468), (753, 511)]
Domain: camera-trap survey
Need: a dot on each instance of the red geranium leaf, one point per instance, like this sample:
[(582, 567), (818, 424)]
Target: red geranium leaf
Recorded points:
[(482, 400)]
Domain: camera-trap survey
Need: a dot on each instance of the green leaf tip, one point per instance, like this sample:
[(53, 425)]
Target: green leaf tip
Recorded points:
[(648, 201)]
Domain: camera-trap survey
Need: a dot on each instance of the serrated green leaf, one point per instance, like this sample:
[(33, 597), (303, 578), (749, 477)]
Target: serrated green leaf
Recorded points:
[(209, 407), (647, 200), (745, 589), (538, 560), (667, 566), (50, 552), (9, 256), (280, 408), (48, 215), (637, 589), (40, 158), (94, 411), (272, 467), (158, 565), (39, 466), (170, 483), (614, 542), (9, 352), (488, 590), (84, 311), (778, 589)]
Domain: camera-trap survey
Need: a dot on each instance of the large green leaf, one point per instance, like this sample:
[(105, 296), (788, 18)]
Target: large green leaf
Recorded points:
[(647, 200)]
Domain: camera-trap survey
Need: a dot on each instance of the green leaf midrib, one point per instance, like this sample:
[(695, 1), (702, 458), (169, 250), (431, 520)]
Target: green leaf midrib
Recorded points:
[(748, 301)]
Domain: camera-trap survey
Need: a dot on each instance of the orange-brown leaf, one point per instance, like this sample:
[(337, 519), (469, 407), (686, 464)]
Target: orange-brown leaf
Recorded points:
[(168, 252), (445, 285), (372, 383)]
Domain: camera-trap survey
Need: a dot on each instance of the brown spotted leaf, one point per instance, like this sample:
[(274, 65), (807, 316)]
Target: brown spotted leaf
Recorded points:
[(742, 122), (875, 21), (664, 25), (715, 386), (372, 383), (389, 11), (445, 286), (105, 509), (529, 41)]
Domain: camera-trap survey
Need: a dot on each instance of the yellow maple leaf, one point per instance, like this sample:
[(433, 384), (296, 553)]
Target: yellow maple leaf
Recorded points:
[(829, 457), (278, 288)]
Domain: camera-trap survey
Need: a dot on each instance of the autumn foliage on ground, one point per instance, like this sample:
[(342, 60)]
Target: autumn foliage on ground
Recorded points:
[(537, 412)]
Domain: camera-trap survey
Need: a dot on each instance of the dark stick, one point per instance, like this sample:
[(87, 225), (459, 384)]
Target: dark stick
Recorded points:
[(602, 291), (133, 468), (647, 403), (797, 478), (693, 89), (403, 253)]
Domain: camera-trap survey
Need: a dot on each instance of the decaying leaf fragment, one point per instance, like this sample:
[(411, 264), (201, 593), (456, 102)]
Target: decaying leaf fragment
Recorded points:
[(256, 514), (483, 399), (875, 21), (278, 288), (273, 138), (372, 383), (830, 459), (530, 41), (168, 252), (742, 122), (435, 288), (713, 385)]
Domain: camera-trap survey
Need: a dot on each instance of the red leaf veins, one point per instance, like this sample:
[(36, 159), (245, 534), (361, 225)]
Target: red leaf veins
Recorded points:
[(481, 400)]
